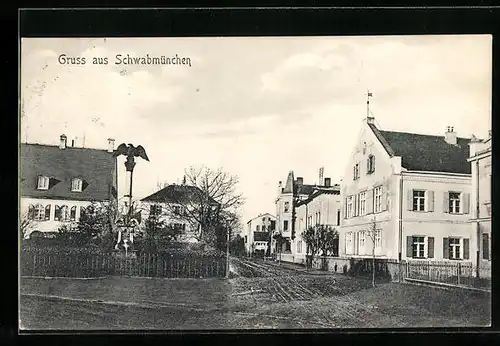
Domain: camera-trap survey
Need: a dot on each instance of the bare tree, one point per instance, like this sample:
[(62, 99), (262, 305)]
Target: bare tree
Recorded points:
[(206, 200), (372, 234)]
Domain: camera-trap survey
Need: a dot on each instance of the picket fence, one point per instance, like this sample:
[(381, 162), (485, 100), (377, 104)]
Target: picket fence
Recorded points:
[(449, 273), (84, 265)]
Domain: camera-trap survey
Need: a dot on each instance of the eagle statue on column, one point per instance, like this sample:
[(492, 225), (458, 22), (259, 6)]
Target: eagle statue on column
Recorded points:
[(131, 152)]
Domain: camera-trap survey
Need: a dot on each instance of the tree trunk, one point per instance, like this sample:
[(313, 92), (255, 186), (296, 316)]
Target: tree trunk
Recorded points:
[(373, 267)]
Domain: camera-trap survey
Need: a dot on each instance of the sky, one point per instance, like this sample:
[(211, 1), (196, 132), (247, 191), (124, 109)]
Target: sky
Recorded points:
[(258, 106)]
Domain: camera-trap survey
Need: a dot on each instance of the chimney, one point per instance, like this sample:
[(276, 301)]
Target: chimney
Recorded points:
[(72, 143), (111, 145), (328, 182), (299, 181), (370, 120), (62, 143), (450, 136)]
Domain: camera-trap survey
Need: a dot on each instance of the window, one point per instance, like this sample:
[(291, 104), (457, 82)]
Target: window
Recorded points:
[(72, 213), (356, 171), (486, 246), (246, 239), (263, 220), (183, 226), (177, 210), (37, 212), (309, 221), (287, 207), (288, 246), (418, 247), (362, 238), (76, 185), (285, 225), (317, 217), (377, 201), (257, 228), (348, 242), (43, 183), (299, 246), (370, 164), (61, 213), (454, 202), (155, 209), (362, 203), (378, 239), (454, 248), (418, 200), (338, 217), (349, 207)]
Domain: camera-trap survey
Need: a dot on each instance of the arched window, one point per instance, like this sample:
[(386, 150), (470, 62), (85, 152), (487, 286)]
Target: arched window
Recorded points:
[(72, 216), (38, 212), (47, 212)]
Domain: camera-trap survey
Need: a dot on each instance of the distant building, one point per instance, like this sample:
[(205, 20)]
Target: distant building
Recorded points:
[(59, 182), (289, 195), (257, 233), (480, 159), (407, 196), (322, 207), (173, 205)]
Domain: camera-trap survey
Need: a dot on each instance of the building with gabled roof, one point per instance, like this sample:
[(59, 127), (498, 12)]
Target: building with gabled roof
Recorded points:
[(174, 204), (406, 196), (58, 182), (288, 196), (257, 234)]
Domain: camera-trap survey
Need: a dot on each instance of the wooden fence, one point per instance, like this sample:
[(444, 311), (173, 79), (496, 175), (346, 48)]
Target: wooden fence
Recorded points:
[(85, 265), (449, 273)]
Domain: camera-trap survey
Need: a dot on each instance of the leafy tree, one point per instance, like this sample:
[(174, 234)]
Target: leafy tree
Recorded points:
[(319, 238), (25, 225)]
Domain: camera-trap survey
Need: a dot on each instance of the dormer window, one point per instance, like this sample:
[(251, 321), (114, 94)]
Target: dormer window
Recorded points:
[(76, 185), (43, 183)]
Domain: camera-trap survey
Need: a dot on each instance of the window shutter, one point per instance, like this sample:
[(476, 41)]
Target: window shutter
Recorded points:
[(409, 198), (486, 246), (446, 247), (47, 212), (466, 248), (409, 246), (430, 200), (368, 165), (369, 202), (466, 203), (345, 208), (355, 200), (430, 247), (446, 202), (373, 164)]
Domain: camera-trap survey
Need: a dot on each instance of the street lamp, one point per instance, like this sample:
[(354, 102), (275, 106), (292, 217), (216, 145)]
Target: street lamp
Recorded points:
[(128, 222)]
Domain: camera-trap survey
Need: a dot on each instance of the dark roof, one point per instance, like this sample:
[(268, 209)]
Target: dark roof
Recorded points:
[(260, 236), (426, 152), (95, 167), (335, 190), (177, 194)]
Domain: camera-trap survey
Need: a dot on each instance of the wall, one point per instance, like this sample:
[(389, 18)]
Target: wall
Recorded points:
[(327, 206), (385, 175), (436, 221), (190, 229), (50, 225)]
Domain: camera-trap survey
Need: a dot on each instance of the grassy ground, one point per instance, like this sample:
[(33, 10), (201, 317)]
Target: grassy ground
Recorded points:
[(226, 304)]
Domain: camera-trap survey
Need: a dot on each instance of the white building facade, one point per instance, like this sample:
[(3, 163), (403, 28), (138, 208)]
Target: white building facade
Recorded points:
[(323, 207), (480, 159), (59, 182), (258, 233), (407, 197)]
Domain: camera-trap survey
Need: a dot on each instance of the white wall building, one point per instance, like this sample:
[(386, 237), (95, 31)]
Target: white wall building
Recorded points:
[(322, 207), (407, 195), (480, 159), (174, 204), (258, 231), (59, 182)]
